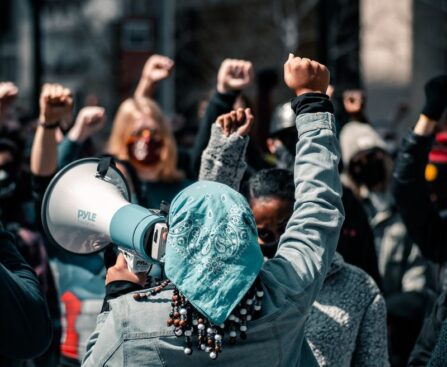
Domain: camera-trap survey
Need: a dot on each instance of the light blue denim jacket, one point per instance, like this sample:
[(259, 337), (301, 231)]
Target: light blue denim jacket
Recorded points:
[(134, 333)]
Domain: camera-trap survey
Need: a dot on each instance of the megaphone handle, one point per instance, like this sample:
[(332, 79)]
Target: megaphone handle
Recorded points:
[(135, 264)]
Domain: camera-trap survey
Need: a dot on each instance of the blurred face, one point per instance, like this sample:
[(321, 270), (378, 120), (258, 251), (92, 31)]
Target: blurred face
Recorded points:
[(271, 215), (370, 169), (145, 143)]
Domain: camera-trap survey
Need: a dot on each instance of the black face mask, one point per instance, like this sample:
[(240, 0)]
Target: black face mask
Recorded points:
[(368, 170), (8, 181), (269, 249)]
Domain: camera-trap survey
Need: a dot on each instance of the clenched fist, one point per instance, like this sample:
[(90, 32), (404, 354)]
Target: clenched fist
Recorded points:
[(89, 120), (234, 75), (56, 103), (239, 122), (157, 68), (305, 76)]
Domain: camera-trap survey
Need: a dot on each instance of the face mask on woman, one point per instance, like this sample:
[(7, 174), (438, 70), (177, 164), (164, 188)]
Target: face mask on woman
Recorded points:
[(144, 147)]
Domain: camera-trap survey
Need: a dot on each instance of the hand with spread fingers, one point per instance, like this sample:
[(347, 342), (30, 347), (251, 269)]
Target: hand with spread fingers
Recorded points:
[(56, 103), (236, 122), (234, 75), (303, 75)]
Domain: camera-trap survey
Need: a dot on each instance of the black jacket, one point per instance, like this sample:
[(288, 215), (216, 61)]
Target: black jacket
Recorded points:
[(426, 227), (424, 224), (25, 330)]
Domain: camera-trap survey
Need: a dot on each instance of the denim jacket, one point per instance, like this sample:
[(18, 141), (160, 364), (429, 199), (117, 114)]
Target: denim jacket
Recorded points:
[(135, 333)]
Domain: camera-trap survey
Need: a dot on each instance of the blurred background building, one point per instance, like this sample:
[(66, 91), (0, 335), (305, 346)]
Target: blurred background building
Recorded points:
[(97, 47)]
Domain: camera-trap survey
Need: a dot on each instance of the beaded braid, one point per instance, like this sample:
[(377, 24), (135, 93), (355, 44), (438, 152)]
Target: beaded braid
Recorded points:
[(188, 322)]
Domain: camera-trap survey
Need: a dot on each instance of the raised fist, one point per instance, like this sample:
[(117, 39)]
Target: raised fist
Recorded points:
[(234, 75), (8, 91), (354, 101), (435, 97), (157, 68), (239, 122), (89, 120), (55, 102), (305, 76)]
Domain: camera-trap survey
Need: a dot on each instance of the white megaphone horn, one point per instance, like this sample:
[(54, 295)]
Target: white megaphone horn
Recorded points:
[(86, 207)]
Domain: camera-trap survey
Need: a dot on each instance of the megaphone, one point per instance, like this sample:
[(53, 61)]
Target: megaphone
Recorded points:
[(87, 206)]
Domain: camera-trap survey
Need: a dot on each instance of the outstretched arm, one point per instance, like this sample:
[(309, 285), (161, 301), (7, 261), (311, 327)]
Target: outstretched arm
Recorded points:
[(308, 245), (410, 189), (223, 160)]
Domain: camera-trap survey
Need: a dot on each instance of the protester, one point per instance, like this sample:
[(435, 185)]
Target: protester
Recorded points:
[(426, 225), (25, 330), (406, 276), (207, 279), (142, 140), (233, 77), (79, 278), (347, 293)]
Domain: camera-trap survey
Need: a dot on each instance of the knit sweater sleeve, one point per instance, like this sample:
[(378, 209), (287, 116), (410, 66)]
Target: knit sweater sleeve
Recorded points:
[(224, 158), (371, 344)]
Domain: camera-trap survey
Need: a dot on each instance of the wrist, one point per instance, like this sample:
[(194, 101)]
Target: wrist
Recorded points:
[(75, 134), (48, 120), (425, 126)]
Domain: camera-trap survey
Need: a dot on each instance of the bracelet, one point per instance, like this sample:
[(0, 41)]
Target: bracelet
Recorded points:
[(46, 125)]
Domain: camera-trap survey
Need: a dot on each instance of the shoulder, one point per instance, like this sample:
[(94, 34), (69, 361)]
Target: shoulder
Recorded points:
[(354, 282)]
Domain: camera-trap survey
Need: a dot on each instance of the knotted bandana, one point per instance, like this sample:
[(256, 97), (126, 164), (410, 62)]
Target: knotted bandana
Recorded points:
[(212, 251)]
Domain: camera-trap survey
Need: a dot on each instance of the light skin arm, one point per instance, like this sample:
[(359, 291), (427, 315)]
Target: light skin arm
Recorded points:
[(55, 103), (156, 69), (425, 126)]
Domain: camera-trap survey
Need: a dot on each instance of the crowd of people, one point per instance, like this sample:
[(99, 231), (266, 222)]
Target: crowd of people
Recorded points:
[(317, 246)]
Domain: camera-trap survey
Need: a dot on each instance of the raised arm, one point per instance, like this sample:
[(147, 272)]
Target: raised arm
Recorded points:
[(223, 160), (55, 103), (233, 77), (89, 120), (410, 189), (156, 68), (308, 245)]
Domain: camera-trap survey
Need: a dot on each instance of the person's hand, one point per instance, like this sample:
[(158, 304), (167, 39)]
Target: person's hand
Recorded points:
[(239, 122), (55, 103), (89, 121), (8, 92), (157, 68), (305, 76), (435, 97), (354, 101), (273, 144), (119, 271), (234, 75)]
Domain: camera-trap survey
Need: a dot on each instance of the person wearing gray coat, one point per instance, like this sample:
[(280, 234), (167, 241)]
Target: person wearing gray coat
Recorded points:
[(133, 331)]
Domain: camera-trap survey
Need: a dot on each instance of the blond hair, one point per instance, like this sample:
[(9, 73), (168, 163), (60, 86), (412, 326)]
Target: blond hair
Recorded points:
[(129, 111)]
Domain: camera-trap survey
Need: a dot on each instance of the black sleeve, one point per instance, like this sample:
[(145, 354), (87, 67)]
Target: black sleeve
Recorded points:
[(25, 330), (424, 224), (116, 289), (218, 105), (356, 243), (428, 337)]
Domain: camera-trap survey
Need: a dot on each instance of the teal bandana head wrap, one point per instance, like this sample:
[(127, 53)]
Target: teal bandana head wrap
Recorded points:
[(212, 252)]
